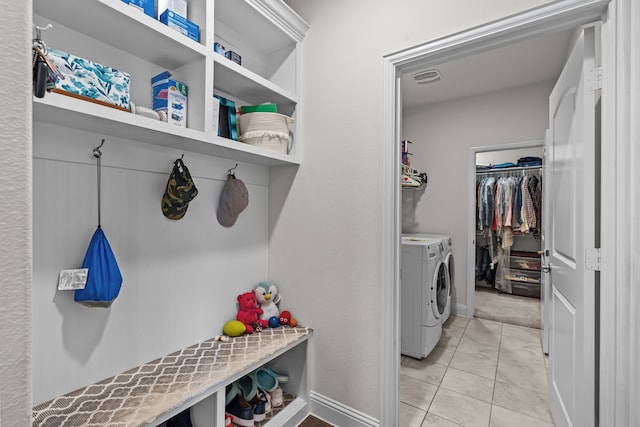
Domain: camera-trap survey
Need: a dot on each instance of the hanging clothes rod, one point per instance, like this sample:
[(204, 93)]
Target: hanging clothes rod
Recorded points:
[(512, 169)]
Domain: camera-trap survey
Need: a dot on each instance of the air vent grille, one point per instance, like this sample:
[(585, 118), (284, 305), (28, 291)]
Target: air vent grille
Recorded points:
[(427, 76)]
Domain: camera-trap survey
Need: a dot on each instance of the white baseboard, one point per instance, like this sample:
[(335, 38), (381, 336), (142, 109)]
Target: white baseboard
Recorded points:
[(461, 310), (338, 414)]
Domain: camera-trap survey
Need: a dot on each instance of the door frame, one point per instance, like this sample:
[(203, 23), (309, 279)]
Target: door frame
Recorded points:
[(619, 345), (471, 212)]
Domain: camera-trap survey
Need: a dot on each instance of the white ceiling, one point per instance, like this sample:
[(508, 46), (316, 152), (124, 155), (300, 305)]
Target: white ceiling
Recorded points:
[(532, 61)]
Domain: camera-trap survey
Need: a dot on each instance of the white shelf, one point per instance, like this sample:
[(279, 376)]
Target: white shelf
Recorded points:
[(281, 28), (122, 26), (230, 77), (75, 113), (263, 26)]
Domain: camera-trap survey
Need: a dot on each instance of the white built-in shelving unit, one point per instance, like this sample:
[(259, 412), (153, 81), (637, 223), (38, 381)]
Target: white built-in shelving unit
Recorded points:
[(266, 33)]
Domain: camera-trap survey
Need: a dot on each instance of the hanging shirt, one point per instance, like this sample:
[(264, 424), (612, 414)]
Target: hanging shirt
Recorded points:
[(528, 213)]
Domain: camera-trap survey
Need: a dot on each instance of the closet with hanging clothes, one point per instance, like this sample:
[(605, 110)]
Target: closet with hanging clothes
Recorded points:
[(508, 226)]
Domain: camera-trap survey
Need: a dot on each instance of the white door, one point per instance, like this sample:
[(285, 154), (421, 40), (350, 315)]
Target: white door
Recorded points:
[(572, 206)]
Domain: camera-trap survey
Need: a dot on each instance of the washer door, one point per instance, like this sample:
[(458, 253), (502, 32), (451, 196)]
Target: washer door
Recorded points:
[(440, 290)]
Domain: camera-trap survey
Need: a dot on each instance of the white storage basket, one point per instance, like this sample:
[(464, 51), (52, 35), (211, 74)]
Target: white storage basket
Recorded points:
[(267, 130)]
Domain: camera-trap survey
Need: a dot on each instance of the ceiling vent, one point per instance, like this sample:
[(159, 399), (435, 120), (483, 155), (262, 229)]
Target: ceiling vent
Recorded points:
[(427, 76)]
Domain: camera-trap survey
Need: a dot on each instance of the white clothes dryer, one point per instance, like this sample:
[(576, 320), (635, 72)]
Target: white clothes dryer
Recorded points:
[(423, 291), (447, 250)]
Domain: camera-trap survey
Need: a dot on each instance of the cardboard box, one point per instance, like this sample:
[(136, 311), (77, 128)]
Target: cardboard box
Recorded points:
[(180, 24), (216, 116), (233, 57), (170, 96), (147, 6), (178, 6)]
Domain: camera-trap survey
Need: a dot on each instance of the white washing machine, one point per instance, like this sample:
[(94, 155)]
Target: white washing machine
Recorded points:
[(448, 261), (423, 295)]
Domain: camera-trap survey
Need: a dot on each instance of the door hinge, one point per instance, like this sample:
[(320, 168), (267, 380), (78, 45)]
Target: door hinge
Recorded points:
[(594, 78), (592, 259)]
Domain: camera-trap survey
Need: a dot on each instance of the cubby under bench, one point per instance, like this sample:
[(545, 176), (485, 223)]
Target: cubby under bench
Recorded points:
[(195, 378)]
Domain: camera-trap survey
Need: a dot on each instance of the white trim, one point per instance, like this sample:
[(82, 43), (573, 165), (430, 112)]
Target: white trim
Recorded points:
[(471, 212), (461, 310), (390, 251), (283, 16), (620, 296), (338, 414), (555, 16)]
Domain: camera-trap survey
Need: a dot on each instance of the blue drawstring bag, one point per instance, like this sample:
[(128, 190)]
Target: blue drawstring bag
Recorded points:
[(104, 278)]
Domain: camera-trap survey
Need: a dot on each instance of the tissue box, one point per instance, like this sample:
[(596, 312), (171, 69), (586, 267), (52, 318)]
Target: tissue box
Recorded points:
[(90, 81), (180, 24), (170, 96)]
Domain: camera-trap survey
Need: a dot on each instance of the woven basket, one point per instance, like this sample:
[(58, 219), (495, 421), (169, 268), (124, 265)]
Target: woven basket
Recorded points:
[(266, 130)]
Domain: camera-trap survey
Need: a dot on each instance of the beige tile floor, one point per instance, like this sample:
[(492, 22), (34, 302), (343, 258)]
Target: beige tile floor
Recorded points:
[(482, 373)]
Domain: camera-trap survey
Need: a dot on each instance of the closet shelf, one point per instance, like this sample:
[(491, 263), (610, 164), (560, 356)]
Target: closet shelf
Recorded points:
[(122, 26), (511, 169), (66, 111), (230, 77)]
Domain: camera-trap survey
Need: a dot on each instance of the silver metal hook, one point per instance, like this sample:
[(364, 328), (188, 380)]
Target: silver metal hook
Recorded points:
[(38, 40), (230, 171)]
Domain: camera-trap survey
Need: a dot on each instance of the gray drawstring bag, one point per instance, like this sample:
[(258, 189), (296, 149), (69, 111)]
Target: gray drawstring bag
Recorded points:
[(104, 278)]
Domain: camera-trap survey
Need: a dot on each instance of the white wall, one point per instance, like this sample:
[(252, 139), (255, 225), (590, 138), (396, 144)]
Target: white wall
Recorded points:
[(15, 215), (442, 135), (181, 278), (326, 233)]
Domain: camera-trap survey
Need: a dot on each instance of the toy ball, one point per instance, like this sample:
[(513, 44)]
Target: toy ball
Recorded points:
[(274, 322), (285, 317), (293, 322), (234, 328)]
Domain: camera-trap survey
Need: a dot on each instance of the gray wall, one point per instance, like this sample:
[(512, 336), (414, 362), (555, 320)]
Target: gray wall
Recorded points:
[(181, 278), (325, 238), (442, 135)]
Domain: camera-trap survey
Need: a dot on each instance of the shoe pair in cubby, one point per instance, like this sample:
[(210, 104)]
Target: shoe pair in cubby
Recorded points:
[(252, 397)]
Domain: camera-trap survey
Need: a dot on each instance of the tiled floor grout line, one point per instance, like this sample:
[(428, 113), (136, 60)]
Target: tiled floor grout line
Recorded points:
[(495, 374)]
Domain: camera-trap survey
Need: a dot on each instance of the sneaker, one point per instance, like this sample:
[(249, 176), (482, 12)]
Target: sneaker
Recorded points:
[(183, 419), (276, 397), (258, 403), (227, 421), (267, 398), (241, 411)]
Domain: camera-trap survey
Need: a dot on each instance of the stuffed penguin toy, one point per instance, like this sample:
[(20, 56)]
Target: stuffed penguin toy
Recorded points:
[(268, 298)]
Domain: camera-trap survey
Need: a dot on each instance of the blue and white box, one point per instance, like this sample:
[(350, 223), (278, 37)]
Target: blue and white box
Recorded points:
[(170, 96), (147, 6), (180, 24), (178, 6), (89, 80)]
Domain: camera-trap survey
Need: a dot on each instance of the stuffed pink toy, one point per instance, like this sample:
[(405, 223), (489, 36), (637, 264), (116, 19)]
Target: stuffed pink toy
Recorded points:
[(249, 312)]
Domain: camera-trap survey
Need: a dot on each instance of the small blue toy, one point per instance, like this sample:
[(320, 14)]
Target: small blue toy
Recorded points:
[(274, 322)]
